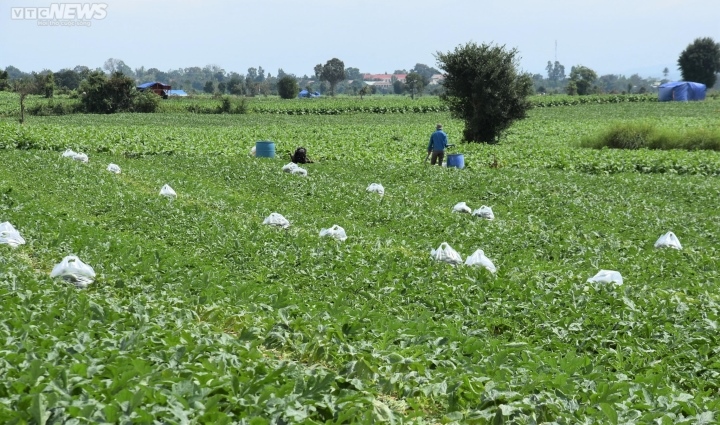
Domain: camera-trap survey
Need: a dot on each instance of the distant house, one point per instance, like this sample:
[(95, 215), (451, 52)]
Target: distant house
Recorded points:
[(382, 81), (436, 79), (157, 88), (385, 78)]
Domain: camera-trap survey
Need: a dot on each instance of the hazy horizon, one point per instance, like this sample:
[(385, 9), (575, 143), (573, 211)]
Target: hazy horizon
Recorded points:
[(611, 37)]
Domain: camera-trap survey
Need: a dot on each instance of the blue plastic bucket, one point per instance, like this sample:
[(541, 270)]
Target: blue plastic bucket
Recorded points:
[(456, 160), (264, 149)]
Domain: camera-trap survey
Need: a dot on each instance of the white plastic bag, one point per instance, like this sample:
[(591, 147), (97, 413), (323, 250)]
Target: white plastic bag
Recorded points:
[(376, 188), (461, 207), (69, 153), (288, 168), (607, 276), (9, 235), (275, 219), (478, 258), (168, 192), (114, 168), (668, 240), (446, 253), (75, 271), (298, 171), (252, 151), (484, 212), (80, 157), (336, 232)]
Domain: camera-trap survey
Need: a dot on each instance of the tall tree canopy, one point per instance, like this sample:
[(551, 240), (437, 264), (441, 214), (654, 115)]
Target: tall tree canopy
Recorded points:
[(333, 72), (484, 88), (700, 61)]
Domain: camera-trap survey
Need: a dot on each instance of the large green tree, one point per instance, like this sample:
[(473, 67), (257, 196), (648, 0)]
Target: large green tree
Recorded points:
[(700, 61), (425, 71), (102, 95), (555, 72), (288, 87), (582, 79), (333, 72), (414, 83), (484, 88)]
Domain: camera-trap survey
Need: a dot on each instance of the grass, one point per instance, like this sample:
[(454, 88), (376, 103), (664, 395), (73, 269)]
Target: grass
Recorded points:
[(638, 135)]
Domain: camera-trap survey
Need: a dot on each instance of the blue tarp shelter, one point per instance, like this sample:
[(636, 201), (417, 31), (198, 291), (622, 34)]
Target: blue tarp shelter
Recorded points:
[(681, 91), (156, 87), (177, 93), (305, 93)]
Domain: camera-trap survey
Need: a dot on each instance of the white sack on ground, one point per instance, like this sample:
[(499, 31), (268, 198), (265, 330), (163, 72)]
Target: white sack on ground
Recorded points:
[(275, 219), (461, 207), (114, 168), (484, 212), (478, 258), (376, 188), (446, 254), (9, 235), (668, 240), (288, 168), (168, 192), (74, 271), (335, 231), (607, 276)]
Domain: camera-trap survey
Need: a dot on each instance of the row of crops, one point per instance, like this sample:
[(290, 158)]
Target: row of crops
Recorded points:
[(549, 138), (201, 314), (9, 104)]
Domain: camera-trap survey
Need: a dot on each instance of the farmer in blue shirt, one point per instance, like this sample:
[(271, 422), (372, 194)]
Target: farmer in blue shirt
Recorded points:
[(438, 143)]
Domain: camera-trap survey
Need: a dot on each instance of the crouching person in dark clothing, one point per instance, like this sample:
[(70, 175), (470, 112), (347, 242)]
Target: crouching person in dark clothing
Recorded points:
[(300, 156)]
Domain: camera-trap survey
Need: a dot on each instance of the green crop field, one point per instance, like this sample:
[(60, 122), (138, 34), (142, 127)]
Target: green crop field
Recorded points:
[(199, 313)]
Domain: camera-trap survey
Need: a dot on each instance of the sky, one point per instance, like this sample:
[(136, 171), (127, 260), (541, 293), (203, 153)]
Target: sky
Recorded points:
[(621, 37)]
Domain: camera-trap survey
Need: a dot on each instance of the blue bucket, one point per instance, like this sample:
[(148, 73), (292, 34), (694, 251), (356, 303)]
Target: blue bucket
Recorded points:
[(264, 149), (456, 160)]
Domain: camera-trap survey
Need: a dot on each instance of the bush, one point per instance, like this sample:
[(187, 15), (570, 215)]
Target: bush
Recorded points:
[(484, 87), (637, 135), (288, 87), (52, 108), (146, 102)]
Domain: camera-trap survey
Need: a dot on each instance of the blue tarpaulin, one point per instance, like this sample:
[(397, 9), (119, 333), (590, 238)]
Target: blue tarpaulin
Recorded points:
[(305, 93), (681, 91), (176, 93)]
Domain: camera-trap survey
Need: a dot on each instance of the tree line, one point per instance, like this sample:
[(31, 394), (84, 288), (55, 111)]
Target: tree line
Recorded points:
[(212, 79)]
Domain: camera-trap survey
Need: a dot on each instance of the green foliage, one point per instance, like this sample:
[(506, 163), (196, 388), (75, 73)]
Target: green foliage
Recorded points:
[(235, 85), (228, 105), (582, 79), (700, 61), (4, 81), (146, 101), (102, 95), (52, 107), (636, 135), (555, 72), (414, 84), (209, 87), (200, 314), (365, 91), (484, 89), (288, 87), (633, 135), (333, 72)]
